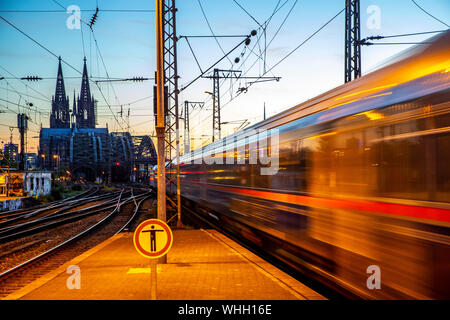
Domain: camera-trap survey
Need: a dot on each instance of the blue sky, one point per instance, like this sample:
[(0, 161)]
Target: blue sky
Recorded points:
[(127, 44)]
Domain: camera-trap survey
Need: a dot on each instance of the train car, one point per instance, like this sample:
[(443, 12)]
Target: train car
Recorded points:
[(351, 187)]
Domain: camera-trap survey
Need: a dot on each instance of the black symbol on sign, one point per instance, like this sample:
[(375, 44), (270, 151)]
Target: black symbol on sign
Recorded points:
[(153, 237)]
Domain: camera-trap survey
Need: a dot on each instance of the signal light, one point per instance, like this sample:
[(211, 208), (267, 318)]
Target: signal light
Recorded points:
[(117, 163)]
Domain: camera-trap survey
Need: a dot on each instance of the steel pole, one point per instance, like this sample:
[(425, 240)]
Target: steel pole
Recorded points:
[(153, 278), (160, 126), (177, 118)]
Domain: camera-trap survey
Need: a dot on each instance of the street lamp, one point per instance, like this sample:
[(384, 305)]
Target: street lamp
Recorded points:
[(56, 157), (43, 161)]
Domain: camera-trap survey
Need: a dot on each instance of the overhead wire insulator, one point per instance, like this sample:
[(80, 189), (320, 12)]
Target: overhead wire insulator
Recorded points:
[(31, 78), (94, 18), (364, 42)]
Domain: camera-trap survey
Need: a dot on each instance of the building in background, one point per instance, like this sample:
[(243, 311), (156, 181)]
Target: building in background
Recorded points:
[(25, 184), (30, 161), (60, 115), (84, 108), (11, 152), (37, 183), (80, 149)]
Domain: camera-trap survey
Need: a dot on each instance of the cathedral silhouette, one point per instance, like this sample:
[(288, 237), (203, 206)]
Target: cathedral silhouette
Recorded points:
[(83, 109), (74, 146)]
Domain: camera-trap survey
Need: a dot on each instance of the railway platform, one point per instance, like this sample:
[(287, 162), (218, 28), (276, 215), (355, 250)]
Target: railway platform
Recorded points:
[(201, 265)]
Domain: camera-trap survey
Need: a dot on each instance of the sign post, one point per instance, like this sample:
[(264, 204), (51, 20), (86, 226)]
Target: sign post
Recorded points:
[(153, 239), (153, 280)]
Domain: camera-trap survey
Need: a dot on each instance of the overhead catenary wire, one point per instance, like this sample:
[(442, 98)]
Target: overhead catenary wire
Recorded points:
[(64, 61), (26, 95), (80, 77), (403, 35), (276, 10), (252, 17), (17, 78), (82, 10), (365, 41), (421, 8), (21, 97), (212, 32), (90, 25), (259, 36), (22, 106), (289, 53), (396, 43)]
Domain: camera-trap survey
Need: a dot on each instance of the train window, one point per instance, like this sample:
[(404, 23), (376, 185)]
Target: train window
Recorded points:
[(401, 173), (240, 151), (321, 150), (443, 168), (442, 120), (287, 177), (350, 167)]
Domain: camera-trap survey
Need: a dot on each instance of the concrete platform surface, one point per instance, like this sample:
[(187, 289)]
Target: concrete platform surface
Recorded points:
[(202, 265)]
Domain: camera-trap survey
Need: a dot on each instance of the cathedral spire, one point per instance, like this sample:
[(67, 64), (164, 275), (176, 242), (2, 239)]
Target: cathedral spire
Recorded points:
[(59, 117), (60, 91), (85, 90), (85, 103)]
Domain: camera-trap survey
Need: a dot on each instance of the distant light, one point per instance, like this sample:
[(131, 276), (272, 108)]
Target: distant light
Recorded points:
[(117, 163)]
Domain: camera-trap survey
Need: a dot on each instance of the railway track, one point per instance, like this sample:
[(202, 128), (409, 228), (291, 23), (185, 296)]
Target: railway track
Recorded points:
[(115, 219), (22, 224), (55, 204)]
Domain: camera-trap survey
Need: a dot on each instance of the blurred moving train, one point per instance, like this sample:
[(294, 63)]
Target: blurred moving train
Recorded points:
[(363, 183)]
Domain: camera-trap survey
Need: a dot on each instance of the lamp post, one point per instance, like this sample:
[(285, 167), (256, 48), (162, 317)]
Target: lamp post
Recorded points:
[(56, 157), (43, 161)]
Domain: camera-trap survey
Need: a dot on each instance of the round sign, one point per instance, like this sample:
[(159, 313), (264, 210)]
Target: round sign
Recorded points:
[(153, 238)]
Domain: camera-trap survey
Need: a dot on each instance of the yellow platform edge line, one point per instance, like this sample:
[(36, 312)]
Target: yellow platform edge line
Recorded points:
[(61, 269)]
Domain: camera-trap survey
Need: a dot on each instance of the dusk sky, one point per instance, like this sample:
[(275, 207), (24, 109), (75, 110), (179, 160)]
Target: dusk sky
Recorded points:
[(127, 44)]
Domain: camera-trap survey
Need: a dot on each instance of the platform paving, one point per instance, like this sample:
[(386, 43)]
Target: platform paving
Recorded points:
[(202, 265)]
